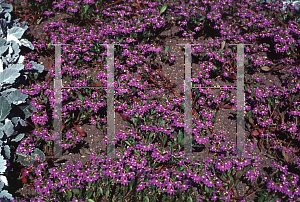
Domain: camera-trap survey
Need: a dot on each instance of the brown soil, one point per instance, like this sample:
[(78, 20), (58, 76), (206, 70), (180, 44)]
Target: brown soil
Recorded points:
[(226, 119)]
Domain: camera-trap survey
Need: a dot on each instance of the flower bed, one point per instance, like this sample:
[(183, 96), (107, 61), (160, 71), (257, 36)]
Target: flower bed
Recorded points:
[(153, 167)]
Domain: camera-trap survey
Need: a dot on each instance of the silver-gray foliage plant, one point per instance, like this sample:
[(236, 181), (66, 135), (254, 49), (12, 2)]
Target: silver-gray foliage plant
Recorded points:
[(13, 105)]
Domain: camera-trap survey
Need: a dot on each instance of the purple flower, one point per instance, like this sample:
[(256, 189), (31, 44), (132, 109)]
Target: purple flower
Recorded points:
[(223, 163), (186, 185), (262, 110), (251, 175), (73, 10), (88, 1), (208, 183), (196, 178), (264, 121), (171, 191), (202, 140), (293, 128), (141, 186), (271, 185), (242, 163)]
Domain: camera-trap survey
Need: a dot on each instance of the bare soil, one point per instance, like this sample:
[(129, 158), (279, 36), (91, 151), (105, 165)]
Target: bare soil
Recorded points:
[(226, 118)]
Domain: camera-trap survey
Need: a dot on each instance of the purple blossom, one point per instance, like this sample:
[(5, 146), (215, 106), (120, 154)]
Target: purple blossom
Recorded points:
[(208, 183), (264, 121), (223, 163)]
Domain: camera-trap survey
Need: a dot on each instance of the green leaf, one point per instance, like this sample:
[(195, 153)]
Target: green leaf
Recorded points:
[(135, 120), (180, 136), (86, 8), (36, 75), (163, 9), (190, 199), (131, 183), (239, 174), (89, 194), (290, 13), (230, 180), (274, 199), (128, 123), (167, 49), (107, 193), (223, 178), (255, 182), (165, 140), (249, 114), (262, 198), (214, 119), (100, 190), (152, 191), (248, 168), (268, 155), (121, 197), (269, 106), (175, 138), (251, 120), (206, 189), (81, 98), (284, 154), (146, 199), (91, 200), (75, 191), (82, 115), (69, 193), (106, 181), (86, 151), (150, 138), (246, 62), (5, 107)]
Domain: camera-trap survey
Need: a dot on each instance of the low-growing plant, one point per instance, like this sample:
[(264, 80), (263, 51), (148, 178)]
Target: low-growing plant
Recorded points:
[(151, 166)]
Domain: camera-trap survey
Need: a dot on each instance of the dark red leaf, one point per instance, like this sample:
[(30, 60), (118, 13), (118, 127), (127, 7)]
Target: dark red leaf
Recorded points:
[(24, 180), (98, 84), (227, 107), (80, 131)]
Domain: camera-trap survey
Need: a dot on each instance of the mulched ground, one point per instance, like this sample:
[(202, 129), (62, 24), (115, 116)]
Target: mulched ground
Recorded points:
[(226, 118)]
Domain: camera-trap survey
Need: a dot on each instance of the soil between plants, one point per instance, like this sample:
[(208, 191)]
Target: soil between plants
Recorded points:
[(226, 118)]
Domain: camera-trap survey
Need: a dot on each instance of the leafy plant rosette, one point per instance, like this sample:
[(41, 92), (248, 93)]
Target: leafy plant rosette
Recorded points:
[(141, 144), (14, 106)]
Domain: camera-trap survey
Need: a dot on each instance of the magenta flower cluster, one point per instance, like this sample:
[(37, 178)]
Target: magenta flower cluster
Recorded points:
[(150, 152)]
